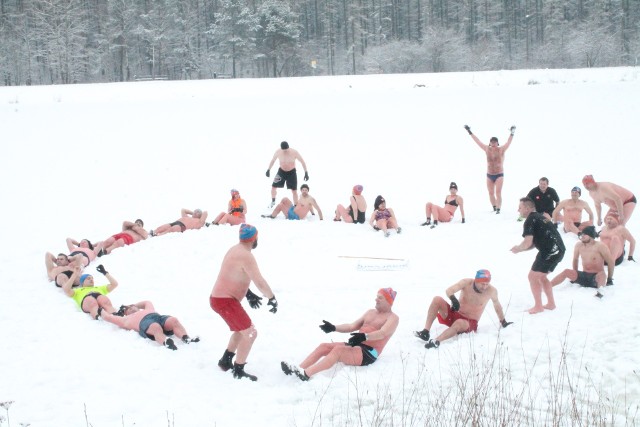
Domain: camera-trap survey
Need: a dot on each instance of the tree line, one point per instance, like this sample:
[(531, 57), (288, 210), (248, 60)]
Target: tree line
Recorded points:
[(87, 41)]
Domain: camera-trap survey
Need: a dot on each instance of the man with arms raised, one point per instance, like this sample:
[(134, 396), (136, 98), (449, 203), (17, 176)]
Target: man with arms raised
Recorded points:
[(619, 199), (495, 165), (239, 268), (571, 212), (594, 255), (375, 327), (462, 315), (286, 172)]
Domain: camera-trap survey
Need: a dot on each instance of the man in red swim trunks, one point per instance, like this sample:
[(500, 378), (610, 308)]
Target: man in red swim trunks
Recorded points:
[(620, 200), (238, 269), (462, 315), (132, 232)]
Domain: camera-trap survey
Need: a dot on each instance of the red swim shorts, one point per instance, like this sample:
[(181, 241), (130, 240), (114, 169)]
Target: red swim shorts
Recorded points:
[(452, 316), (124, 236), (231, 312)]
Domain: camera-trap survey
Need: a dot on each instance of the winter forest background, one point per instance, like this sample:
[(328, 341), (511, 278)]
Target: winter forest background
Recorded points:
[(85, 41)]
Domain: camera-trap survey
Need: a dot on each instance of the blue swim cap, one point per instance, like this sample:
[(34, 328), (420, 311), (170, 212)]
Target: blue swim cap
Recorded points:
[(248, 233), (83, 277)]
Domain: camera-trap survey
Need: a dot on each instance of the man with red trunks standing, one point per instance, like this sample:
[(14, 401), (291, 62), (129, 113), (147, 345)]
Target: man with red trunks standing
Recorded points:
[(238, 269), (462, 315)]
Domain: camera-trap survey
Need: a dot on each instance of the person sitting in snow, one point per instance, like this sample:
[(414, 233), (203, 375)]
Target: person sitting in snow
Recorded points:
[(445, 214), (305, 204), (375, 327), (594, 256), (462, 315), (614, 235), (383, 218), (143, 318), (236, 211), (572, 209), (357, 208)]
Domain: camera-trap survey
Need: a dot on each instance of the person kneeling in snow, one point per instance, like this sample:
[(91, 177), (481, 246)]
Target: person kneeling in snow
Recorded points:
[(143, 318), (374, 327), (463, 315)]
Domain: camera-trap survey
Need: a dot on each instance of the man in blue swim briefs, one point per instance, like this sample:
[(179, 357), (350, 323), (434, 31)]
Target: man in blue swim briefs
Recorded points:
[(305, 204)]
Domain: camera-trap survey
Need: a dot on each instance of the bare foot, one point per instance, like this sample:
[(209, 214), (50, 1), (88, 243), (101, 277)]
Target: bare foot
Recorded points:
[(550, 306), (534, 310)]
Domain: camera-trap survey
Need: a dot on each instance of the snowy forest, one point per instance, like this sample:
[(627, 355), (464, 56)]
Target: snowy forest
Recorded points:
[(89, 41)]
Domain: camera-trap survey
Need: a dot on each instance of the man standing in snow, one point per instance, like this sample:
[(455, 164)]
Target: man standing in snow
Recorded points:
[(619, 199), (144, 319), (462, 315), (375, 327), (495, 166), (594, 256), (286, 172), (239, 268), (541, 233)]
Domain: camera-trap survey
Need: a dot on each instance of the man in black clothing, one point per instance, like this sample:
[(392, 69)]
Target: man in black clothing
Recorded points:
[(544, 197), (541, 233)]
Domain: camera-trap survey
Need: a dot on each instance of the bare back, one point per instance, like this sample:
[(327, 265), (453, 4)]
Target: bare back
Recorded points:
[(238, 269)]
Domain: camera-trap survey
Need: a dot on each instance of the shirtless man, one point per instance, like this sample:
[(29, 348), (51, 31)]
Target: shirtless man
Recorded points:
[(60, 268), (594, 255), (90, 298), (298, 210), (132, 232), (462, 315), (85, 248), (618, 199), (239, 268), (189, 220), (375, 327), (144, 319), (357, 208), (495, 166), (572, 214), (614, 235), (541, 233), (287, 171)]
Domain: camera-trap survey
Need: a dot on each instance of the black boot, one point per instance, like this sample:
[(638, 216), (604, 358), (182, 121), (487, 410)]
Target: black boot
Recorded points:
[(423, 334), (226, 362), (239, 373)]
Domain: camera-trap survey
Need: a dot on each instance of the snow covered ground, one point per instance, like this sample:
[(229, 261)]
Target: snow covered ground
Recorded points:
[(78, 160)]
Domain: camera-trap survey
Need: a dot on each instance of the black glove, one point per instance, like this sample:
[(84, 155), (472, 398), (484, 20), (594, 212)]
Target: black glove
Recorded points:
[(375, 227), (273, 303), (468, 129), (631, 258), (455, 304), (327, 327), (268, 173), (357, 338), (207, 224), (306, 176), (463, 220), (101, 269), (610, 281), (504, 323), (512, 129), (254, 300)]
